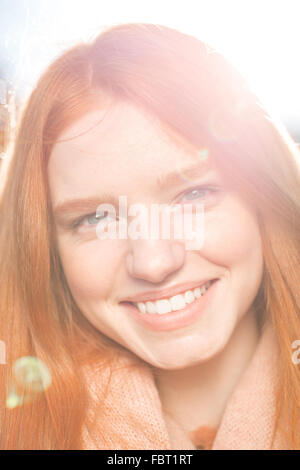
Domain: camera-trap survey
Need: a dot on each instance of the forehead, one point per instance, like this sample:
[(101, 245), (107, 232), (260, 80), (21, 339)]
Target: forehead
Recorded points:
[(112, 145), (118, 123)]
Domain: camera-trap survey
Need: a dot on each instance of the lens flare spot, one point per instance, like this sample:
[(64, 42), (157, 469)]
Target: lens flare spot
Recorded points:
[(30, 377), (29, 370), (202, 156), (12, 400)]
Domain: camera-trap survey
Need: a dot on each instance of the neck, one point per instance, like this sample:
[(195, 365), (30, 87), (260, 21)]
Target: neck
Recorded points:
[(197, 395)]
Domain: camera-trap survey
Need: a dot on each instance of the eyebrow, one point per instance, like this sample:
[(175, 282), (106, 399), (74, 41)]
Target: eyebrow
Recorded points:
[(176, 176), (163, 181)]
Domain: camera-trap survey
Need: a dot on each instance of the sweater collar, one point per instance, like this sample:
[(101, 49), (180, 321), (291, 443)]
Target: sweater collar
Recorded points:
[(131, 416)]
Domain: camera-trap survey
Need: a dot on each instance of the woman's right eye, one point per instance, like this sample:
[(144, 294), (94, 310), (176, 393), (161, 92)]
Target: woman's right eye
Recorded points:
[(97, 218)]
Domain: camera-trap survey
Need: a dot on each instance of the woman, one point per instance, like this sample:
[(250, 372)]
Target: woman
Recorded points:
[(143, 351)]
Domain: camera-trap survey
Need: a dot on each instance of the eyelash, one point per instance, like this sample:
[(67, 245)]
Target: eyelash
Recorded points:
[(77, 222)]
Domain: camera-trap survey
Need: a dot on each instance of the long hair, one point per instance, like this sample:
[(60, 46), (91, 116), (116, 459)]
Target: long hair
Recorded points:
[(198, 95)]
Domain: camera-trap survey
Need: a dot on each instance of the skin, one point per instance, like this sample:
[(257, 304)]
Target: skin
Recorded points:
[(123, 155)]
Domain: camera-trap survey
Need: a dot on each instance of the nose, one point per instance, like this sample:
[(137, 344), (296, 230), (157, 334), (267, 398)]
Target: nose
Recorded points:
[(154, 260)]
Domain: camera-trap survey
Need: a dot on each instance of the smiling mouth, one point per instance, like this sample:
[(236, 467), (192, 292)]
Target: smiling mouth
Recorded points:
[(171, 304), (184, 315)]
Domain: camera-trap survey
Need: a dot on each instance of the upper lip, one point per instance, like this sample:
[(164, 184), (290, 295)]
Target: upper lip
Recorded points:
[(168, 292)]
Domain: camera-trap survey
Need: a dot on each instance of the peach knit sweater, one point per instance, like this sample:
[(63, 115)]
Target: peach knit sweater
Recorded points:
[(132, 416)]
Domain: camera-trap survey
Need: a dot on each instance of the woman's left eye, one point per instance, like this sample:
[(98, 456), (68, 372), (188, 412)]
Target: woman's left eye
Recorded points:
[(199, 192)]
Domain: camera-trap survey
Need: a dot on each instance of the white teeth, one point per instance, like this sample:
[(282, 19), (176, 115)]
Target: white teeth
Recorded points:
[(150, 306), (203, 289), (189, 296), (142, 307), (197, 292), (163, 306), (177, 302)]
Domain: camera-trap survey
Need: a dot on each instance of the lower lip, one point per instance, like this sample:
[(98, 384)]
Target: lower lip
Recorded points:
[(173, 320)]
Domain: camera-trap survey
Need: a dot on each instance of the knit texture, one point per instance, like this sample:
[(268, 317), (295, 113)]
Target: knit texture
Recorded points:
[(130, 416)]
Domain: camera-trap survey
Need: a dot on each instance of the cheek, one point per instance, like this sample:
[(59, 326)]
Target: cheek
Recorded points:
[(90, 268), (232, 234), (233, 241)]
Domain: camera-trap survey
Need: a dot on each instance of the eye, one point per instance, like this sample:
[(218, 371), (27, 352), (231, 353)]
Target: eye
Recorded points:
[(199, 192), (93, 217)]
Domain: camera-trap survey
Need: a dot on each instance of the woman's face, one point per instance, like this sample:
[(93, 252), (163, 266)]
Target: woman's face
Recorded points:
[(125, 152)]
